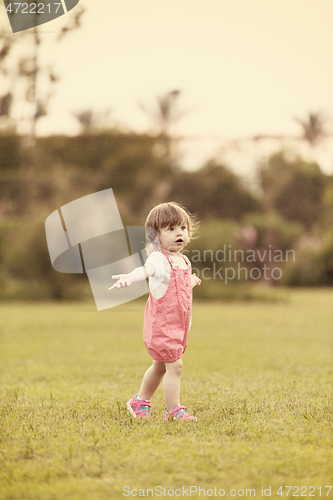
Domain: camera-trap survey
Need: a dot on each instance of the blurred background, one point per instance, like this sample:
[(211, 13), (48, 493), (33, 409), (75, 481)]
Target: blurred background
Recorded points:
[(223, 107)]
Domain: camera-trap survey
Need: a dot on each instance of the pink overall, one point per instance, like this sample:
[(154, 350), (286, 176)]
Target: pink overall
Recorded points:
[(167, 320)]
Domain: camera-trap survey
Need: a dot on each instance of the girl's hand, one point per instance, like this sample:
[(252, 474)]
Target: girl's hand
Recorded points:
[(195, 281), (123, 281)]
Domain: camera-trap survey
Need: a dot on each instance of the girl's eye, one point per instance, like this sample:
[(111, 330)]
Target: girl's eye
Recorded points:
[(171, 228)]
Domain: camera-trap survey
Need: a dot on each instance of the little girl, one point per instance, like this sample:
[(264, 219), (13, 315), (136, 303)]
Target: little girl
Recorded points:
[(169, 228)]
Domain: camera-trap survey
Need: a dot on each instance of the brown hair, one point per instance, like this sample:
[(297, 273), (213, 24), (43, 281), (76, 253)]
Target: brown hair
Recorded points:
[(169, 214)]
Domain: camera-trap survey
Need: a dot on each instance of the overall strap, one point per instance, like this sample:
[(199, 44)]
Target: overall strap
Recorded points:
[(187, 262), (167, 256)]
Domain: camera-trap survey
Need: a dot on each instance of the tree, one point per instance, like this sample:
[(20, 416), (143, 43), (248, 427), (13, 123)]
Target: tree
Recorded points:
[(21, 71), (164, 116), (92, 121), (214, 191), (313, 128), (293, 187)]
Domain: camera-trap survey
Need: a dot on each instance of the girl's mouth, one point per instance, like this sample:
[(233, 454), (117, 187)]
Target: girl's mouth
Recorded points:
[(179, 240)]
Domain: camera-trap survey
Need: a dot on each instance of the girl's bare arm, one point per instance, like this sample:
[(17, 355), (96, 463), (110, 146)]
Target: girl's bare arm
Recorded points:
[(139, 274)]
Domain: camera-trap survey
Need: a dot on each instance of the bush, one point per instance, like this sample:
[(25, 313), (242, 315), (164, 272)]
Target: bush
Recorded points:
[(26, 270), (314, 262), (9, 152)]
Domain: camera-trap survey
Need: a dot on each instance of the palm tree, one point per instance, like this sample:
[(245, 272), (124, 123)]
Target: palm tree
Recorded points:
[(313, 128), (91, 120), (164, 117)]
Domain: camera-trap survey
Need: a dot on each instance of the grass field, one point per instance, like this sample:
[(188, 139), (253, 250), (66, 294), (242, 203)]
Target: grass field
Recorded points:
[(257, 375)]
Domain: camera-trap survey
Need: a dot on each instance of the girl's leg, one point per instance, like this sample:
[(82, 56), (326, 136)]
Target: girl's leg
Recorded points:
[(171, 383), (151, 380)]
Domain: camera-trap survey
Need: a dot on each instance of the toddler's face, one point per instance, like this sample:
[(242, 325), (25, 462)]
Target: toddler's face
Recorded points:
[(174, 238)]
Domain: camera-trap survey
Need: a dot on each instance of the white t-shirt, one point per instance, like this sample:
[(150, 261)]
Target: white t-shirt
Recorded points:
[(159, 282)]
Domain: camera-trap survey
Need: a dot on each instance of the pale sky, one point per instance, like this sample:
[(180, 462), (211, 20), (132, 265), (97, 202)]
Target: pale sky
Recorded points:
[(244, 67)]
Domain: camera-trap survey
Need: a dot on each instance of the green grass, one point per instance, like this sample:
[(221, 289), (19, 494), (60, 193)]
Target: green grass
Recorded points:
[(258, 376)]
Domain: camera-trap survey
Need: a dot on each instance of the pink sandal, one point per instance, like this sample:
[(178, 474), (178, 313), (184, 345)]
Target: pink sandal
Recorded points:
[(179, 412), (139, 408)]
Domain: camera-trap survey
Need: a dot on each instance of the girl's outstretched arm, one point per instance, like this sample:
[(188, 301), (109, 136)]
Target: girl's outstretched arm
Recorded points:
[(139, 274)]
